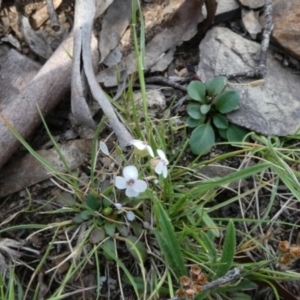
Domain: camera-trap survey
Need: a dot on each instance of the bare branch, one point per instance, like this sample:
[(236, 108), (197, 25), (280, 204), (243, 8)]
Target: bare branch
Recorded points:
[(84, 16)]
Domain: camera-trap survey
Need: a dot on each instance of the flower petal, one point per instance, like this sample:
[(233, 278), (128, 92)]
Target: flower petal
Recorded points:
[(159, 167), (138, 144), (130, 192), (118, 205), (130, 216), (150, 151), (120, 182), (139, 186), (161, 154), (165, 171), (130, 172)]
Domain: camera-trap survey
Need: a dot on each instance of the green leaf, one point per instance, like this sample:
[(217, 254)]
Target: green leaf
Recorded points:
[(241, 296), (205, 108), (220, 121), (137, 228), (215, 85), (196, 90), (77, 219), (123, 229), (209, 222), (244, 284), (202, 296), (227, 101), (135, 246), (109, 248), (168, 241), (236, 133), (99, 221), (210, 246), (193, 111), (92, 202), (222, 133), (110, 228), (228, 251), (192, 122), (202, 139), (85, 215)]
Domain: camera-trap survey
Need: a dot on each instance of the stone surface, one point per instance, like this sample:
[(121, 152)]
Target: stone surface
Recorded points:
[(224, 6), (272, 108), (286, 19), (250, 21), (253, 3)]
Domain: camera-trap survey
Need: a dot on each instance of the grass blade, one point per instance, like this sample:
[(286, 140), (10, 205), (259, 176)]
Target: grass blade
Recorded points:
[(228, 251), (168, 242)]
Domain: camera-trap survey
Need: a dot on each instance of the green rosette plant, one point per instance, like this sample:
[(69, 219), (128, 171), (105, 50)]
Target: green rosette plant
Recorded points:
[(210, 102)]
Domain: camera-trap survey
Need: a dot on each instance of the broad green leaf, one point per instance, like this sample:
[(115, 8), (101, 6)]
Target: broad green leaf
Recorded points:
[(137, 228), (202, 139), (241, 296), (92, 202), (110, 228), (227, 101), (228, 251), (215, 85), (236, 133), (77, 219), (99, 221), (109, 248), (135, 246), (193, 111), (192, 122), (205, 108), (85, 215), (220, 121), (244, 284), (196, 90), (97, 235), (222, 133), (123, 229), (168, 242)]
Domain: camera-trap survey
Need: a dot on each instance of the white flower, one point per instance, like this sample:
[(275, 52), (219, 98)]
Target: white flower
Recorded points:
[(142, 147), (160, 164), (130, 216), (130, 182), (118, 206)]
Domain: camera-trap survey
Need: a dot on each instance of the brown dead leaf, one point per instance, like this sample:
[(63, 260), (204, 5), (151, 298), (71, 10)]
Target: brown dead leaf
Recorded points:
[(114, 25)]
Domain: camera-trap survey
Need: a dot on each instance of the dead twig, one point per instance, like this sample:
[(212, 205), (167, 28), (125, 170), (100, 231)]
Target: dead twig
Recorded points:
[(232, 275), (261, 70), (166, 81), (52, 15)]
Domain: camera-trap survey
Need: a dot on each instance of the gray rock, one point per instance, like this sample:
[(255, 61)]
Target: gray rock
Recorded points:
[(253, 3), (272, 108), (224, 6)]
